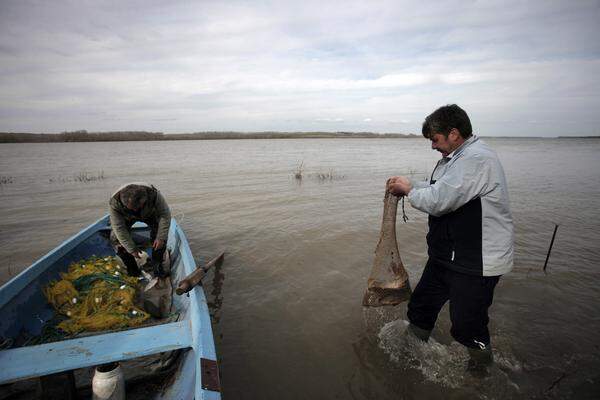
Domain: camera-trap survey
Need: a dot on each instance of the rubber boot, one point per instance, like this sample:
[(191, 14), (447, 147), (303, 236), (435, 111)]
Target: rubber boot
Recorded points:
[(480, 361), (419, 333), (129, 261)]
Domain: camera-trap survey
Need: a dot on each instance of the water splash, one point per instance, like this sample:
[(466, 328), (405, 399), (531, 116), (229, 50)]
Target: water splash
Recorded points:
[(438, 363), (445, 364)]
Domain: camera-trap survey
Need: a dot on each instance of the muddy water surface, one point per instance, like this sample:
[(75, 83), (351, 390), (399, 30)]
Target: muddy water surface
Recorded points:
[(287, 301)]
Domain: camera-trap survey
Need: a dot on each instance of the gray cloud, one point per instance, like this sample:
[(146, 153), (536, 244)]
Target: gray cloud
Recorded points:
[(380, 66)]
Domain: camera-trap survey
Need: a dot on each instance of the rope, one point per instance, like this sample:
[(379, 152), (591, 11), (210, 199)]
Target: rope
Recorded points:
[(85, 282), (94, 295), (404, 216), (6, 343)]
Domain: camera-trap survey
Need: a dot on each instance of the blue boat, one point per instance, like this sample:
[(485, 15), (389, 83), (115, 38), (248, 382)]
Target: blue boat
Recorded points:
[(24, 310)]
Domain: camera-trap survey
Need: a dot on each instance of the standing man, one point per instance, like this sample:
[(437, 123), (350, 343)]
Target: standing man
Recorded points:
[(139, 202), (470, 239)]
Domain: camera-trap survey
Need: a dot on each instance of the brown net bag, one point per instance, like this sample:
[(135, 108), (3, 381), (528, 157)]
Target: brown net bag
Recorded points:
[(388, 282)]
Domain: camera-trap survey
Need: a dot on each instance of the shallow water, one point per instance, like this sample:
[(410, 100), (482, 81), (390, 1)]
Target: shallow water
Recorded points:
[(287, 308)]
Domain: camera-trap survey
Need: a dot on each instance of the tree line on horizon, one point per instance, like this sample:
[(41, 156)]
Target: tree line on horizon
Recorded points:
[(120, 136)]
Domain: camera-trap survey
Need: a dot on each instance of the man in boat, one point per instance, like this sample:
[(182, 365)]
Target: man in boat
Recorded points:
[(135, 202), (470, 240)]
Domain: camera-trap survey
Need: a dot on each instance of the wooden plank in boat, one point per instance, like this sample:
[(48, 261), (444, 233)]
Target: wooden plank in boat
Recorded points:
[(32, 361)]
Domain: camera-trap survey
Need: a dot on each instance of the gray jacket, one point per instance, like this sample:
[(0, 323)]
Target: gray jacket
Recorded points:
[(155, 213), (470, 223)]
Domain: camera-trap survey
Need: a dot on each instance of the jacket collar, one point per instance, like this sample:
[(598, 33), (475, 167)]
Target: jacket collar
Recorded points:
[(462, 147)]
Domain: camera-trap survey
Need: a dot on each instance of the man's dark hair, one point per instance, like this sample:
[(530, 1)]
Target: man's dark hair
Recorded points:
[(134, 195), (444, 119)]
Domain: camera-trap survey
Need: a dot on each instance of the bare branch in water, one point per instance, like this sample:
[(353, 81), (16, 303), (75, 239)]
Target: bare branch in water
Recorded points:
[(5, 180), (298, 172), (82, 177), (328, 176)]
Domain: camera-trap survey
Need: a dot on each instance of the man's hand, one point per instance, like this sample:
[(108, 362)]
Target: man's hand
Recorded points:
[(158, 244), (399, 185)]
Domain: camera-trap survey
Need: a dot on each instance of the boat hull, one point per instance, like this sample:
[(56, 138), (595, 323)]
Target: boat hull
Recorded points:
[(24, 310)]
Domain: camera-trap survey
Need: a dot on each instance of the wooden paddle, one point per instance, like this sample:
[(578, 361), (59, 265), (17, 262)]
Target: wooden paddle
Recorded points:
[(190, 281)]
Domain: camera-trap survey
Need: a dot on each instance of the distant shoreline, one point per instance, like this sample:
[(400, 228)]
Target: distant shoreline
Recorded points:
[(578, 137), (84, 136), (143, 136)]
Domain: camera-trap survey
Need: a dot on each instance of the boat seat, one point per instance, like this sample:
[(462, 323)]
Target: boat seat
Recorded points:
[(50, 358)]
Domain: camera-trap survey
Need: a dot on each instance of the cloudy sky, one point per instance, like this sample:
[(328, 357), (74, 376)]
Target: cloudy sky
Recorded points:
[(523, 68)]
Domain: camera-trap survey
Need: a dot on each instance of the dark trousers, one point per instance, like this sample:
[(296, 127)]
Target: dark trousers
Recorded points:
[(129, 260), (470, 297), (131, 264)]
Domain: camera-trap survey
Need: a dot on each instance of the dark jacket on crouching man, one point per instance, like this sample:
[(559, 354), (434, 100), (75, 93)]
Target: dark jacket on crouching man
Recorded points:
[(141, 202)]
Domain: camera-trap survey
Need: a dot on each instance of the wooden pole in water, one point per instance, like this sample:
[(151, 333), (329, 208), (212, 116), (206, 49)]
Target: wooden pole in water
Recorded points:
[(550, 248)]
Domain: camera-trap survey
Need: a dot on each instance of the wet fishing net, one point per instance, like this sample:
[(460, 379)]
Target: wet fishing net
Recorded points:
[(96, 294), (388, 282)]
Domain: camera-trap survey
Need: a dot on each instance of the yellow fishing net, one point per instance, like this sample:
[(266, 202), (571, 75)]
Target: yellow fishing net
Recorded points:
[(96, 294)]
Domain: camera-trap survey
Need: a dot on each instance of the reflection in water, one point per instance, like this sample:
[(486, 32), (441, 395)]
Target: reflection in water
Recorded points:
[(215, 299)]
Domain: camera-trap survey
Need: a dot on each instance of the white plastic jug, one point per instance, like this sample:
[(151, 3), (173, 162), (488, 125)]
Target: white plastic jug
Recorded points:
[(108, 382)]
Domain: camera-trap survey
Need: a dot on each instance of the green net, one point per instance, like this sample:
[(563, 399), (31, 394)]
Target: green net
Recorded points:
[(96, 294)]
